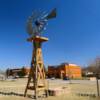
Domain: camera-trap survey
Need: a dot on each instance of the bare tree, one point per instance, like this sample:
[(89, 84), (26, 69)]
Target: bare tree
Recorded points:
[(93, 67)]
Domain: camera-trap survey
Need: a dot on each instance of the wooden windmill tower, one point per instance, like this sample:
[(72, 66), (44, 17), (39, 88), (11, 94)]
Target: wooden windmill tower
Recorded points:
[(36, 79)]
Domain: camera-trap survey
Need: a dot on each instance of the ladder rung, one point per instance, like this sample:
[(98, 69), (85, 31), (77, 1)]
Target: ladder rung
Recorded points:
[(33, 88)]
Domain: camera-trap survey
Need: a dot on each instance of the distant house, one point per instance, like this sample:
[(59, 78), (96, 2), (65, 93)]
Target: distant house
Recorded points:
[(65, 70), (2, 77), (89, 73), (16, 71)]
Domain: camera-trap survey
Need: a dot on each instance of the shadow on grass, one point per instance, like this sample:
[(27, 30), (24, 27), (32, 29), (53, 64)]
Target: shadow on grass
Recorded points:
[(20, 94)]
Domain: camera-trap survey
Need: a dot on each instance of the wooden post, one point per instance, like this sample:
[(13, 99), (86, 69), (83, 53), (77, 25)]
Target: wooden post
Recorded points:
[(97, 83), (37, 73)]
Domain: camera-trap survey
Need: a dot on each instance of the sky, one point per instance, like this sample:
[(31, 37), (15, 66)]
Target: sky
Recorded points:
[(74, 35)]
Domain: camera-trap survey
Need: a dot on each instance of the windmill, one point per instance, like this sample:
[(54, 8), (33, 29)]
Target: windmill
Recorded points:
[(35, 26), (37, 22)]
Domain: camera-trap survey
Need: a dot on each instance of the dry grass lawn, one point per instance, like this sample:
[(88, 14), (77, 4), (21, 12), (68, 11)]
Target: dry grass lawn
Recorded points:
[(18, 86)]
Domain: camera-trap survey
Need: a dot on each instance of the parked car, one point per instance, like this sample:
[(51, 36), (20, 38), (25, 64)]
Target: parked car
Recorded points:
[(66, 78), (53, 78)]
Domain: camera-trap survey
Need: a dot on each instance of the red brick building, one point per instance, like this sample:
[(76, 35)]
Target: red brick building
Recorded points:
[(64, 70)]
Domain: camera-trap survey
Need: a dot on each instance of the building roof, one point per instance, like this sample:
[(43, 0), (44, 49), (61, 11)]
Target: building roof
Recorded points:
[(68, 64), (73, 65)]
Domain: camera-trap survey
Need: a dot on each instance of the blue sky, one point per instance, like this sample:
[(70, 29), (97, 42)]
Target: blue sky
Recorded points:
[(74, 36)]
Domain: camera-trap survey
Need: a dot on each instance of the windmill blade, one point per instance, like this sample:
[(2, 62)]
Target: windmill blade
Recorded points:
[(29, 26), (53, 14), (29, 29), (35, 15), (43, 16)]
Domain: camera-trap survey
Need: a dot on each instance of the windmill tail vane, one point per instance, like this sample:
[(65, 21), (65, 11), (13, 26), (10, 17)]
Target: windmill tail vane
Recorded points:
[(53, 14)]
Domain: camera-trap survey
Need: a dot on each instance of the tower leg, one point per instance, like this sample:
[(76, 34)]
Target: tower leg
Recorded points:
[(29, 79)]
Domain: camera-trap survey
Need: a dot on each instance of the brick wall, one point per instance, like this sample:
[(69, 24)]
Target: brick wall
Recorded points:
[(65, 70)]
